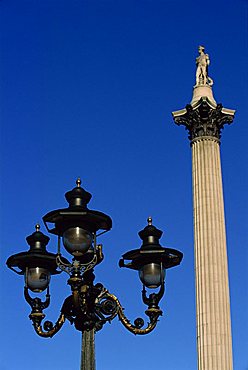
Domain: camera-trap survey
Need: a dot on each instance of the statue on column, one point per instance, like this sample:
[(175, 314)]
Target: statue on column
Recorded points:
[(202, 62)]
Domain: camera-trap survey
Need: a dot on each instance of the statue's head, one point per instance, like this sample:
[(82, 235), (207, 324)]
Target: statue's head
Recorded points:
[(201, 48)]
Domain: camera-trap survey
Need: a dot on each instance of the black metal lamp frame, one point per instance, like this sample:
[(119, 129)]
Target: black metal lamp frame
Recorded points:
[(90, 305)]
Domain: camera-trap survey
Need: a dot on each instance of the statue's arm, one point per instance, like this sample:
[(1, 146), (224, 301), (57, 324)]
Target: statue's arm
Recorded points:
[(207, 59)]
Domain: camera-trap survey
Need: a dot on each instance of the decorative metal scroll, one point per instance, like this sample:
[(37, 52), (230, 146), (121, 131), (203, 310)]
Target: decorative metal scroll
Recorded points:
[(90, 307)]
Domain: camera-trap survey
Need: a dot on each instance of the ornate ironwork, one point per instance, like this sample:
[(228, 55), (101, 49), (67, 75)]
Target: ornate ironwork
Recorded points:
[(37, 315), (76, 265), (153, 312), (90, 307)]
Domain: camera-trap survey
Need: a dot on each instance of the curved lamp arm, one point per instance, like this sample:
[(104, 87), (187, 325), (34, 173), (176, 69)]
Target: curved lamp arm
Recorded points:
[(37, 315), (103, 304), (136, 328), (51, 329)]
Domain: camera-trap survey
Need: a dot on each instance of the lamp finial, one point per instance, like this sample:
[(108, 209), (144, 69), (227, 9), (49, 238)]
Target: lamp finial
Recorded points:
[(78, 182), (149, 220)]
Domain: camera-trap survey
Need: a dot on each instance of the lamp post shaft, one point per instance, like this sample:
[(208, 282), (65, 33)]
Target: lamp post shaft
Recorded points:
[(88, 361)]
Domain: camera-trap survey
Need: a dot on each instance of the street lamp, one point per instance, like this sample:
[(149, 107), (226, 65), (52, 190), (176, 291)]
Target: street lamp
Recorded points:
[(89, 306)]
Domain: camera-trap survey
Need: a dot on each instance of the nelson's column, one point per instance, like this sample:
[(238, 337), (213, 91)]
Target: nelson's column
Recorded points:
[(204, 120)]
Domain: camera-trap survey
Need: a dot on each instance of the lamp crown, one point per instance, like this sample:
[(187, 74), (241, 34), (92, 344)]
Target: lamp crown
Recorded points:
[(78, 196), (150, 235), (37, 241)]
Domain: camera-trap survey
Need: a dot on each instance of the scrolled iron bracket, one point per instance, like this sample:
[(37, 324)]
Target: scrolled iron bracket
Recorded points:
[(49, 330), (153, 312), (90, 307), (37, 316)]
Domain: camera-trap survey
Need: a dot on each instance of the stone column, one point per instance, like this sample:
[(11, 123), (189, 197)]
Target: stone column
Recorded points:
[(204, 120)]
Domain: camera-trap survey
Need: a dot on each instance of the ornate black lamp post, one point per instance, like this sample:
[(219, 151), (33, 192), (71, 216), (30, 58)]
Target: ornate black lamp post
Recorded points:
[(89, 306)]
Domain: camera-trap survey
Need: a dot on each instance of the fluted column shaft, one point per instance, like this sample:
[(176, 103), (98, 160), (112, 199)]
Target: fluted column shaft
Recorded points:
[(211, 270)]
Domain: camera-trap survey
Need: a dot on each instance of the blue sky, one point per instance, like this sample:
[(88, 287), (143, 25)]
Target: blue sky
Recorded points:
[(87, 89)]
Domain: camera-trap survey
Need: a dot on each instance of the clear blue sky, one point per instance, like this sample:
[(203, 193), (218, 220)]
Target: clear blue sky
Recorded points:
[(87, 89)]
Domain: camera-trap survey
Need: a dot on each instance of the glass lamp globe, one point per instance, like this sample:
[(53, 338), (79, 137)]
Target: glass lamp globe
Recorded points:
[(152, 275), (37, 279), (77, 241)]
